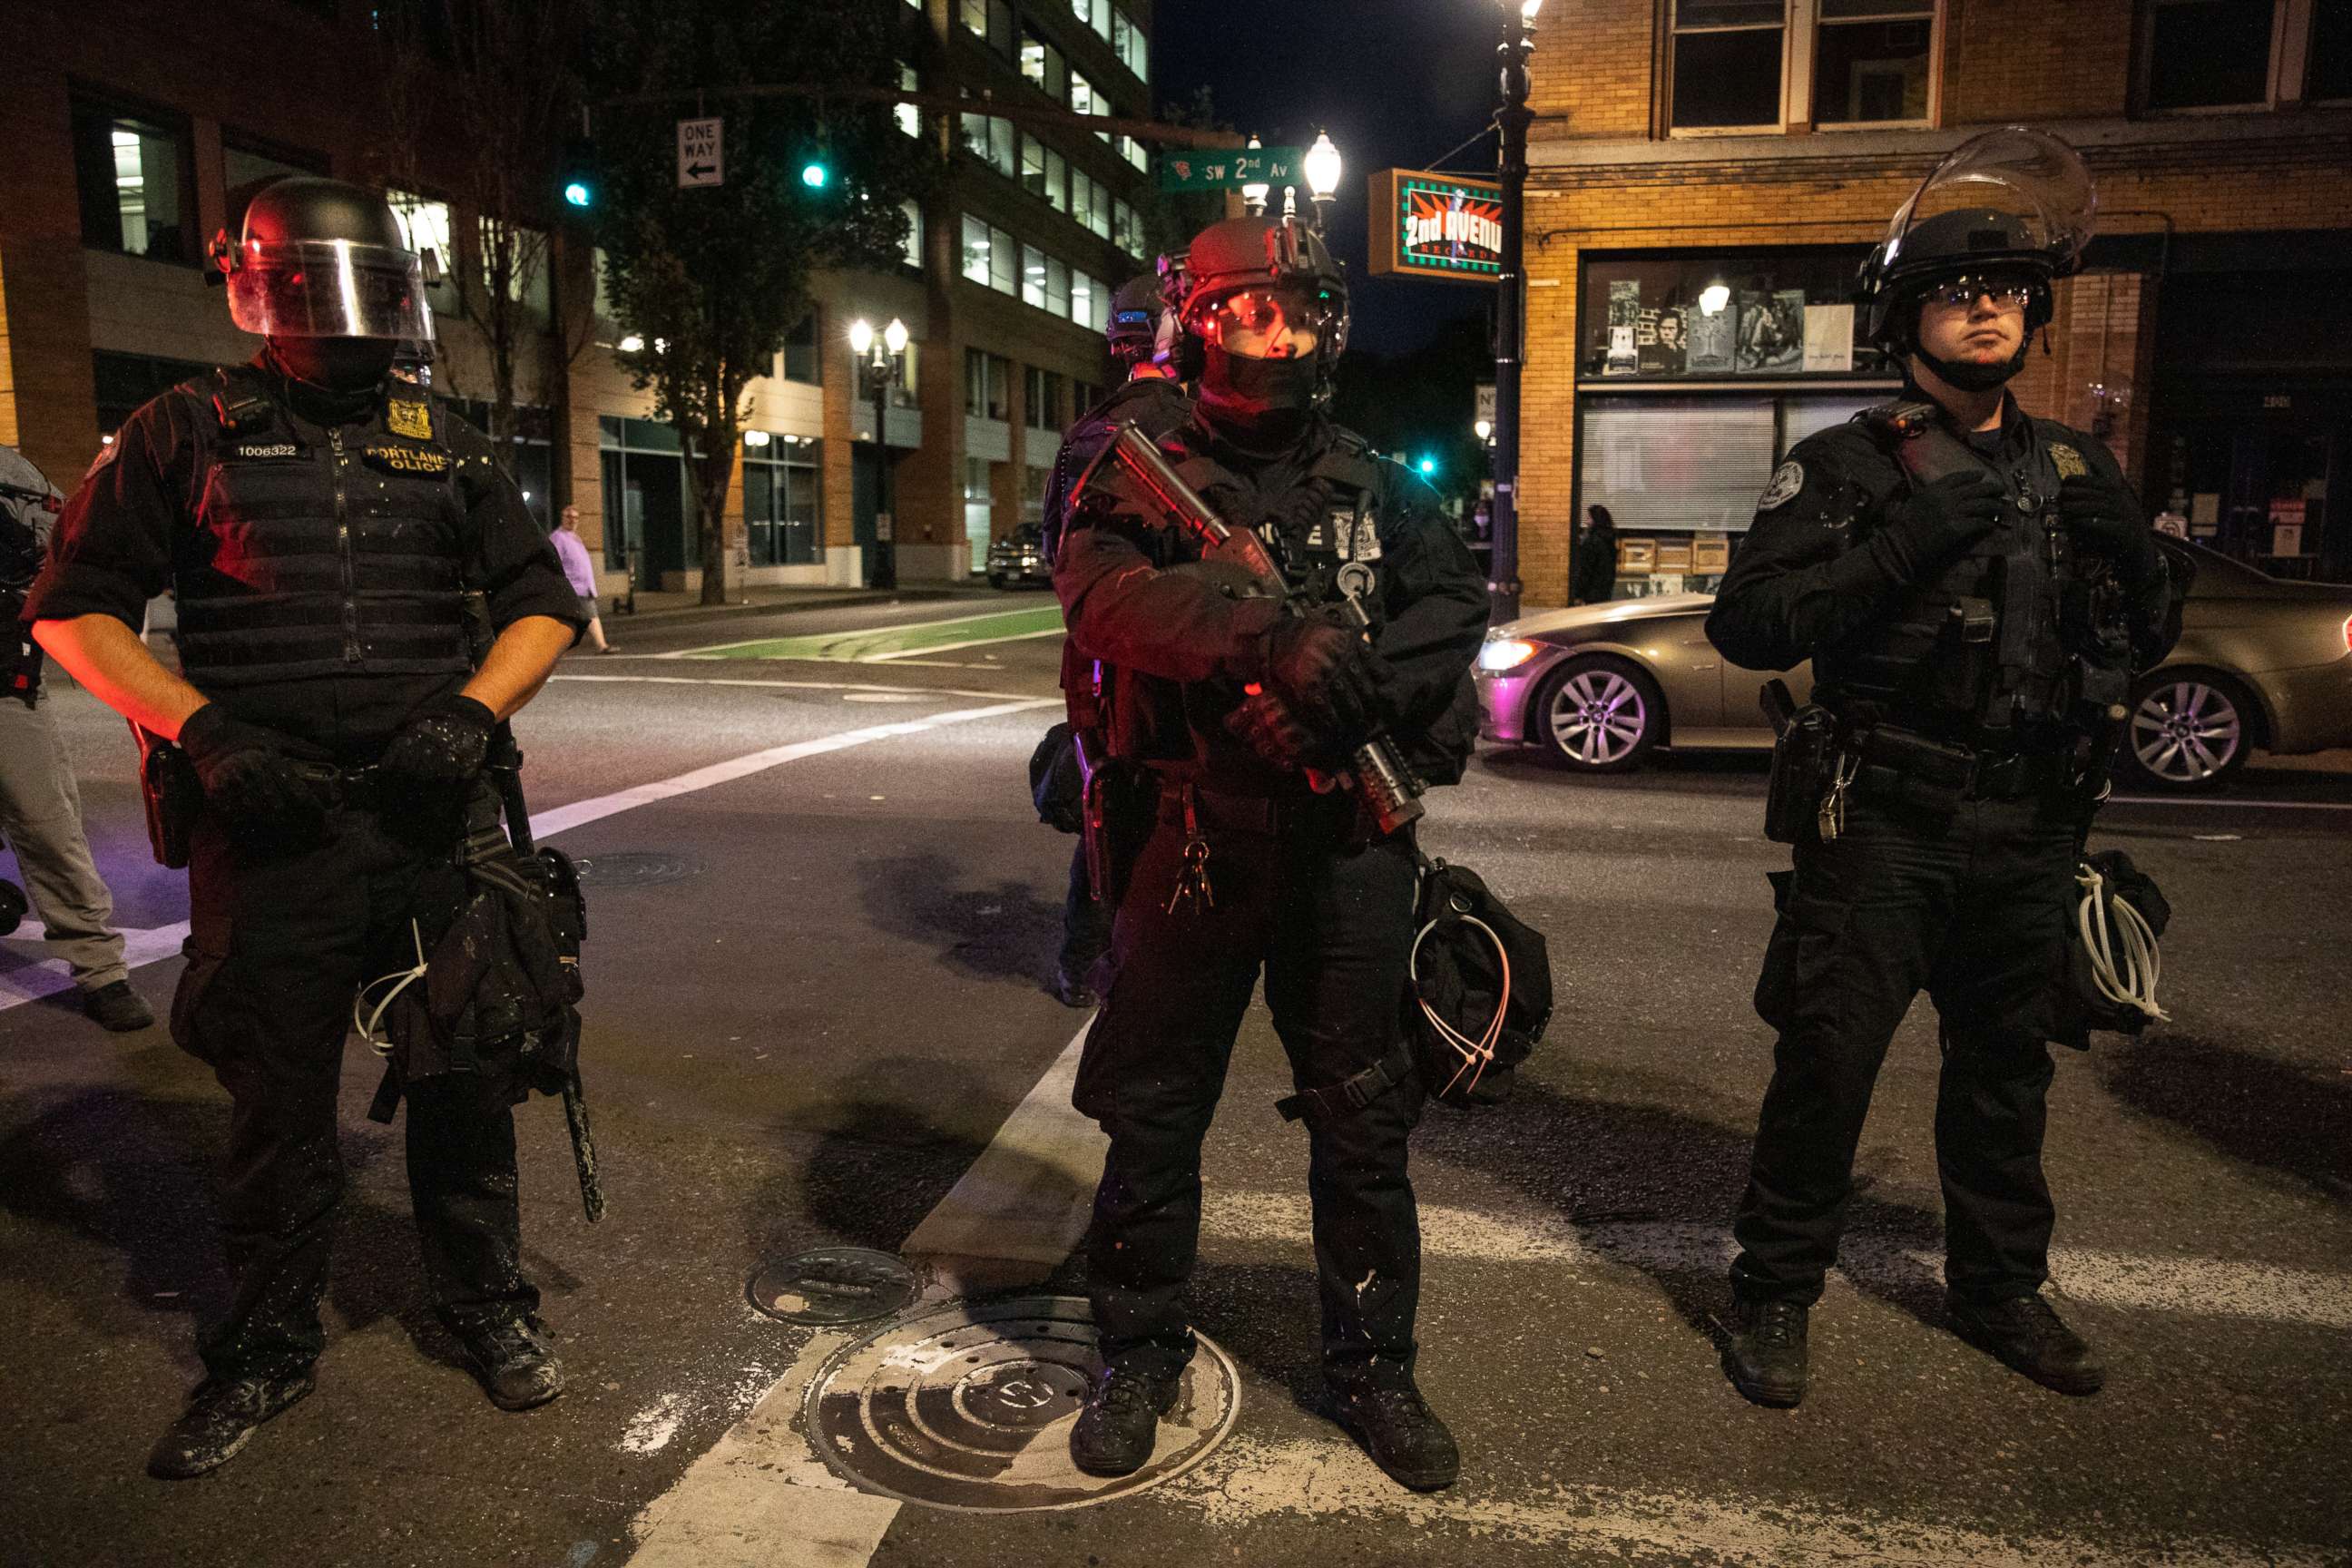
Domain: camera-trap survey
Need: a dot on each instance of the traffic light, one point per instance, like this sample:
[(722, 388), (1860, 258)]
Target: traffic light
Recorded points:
[(576, 175), (1428, 466), (815, 174)]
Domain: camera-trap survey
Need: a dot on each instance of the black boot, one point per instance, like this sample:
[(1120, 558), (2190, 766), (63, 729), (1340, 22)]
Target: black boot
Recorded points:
[(1764, 1355), (514, 1359), (2025, 1333), (1396, 1427), (1116, 1431), (221, 1414), (115, 1006)]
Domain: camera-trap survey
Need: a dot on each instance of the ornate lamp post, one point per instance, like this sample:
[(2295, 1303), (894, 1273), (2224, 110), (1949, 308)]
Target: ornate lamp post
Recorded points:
[(1254, 194), (1323, 169), (1513, 118), (882, 357)]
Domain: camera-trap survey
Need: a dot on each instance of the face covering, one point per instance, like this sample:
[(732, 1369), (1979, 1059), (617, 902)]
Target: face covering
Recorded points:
[(336, 364), (1260, 399)]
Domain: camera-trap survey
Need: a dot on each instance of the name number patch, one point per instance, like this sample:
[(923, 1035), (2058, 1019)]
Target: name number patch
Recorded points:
[(259, 451)]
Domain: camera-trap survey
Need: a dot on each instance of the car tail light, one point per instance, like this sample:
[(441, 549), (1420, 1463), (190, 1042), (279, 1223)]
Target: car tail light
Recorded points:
[(2348, 634), (1504, 653)]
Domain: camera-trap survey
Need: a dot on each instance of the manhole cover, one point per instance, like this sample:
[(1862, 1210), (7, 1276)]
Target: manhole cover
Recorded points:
[(636, 867), (833, 1284), (970, 1407)]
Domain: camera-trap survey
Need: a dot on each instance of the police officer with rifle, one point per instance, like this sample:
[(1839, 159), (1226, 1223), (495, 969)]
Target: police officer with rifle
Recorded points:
[(1286, 625), (1144, 339), (1976, 589), (323, 524)]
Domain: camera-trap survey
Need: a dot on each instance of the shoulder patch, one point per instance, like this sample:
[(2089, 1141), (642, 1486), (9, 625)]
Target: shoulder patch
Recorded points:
[(408, 417), (1788, 479), (2069, 461)]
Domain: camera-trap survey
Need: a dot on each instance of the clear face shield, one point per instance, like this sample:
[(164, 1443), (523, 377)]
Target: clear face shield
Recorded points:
[(1276, 320), (2030, 175), (326, 289)]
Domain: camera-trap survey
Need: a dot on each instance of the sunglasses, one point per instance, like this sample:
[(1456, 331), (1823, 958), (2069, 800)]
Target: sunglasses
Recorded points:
[(2007, 292)]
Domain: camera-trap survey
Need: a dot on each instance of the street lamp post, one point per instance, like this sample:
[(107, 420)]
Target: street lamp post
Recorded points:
[(1254, 195), (880, 354), (1324, 169), (1512, 118)]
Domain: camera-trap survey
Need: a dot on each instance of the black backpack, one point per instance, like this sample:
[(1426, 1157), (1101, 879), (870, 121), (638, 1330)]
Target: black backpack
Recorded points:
[(1481, 992), (2080, 1004)]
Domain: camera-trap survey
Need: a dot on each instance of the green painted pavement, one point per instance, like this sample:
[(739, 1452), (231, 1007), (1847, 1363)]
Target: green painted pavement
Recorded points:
[(899, 642)]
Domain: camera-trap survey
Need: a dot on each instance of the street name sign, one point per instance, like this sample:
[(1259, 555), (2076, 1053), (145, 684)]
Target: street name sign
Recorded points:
[(1230, 168), (1427, 225), (701, 160)]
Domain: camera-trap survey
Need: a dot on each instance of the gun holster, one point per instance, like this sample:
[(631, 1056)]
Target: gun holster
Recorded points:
[(173, 795), (1116, 810), (1805, 757)]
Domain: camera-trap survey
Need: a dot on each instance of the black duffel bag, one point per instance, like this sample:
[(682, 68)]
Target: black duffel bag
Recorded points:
[(2112, 986), (1481, 992)]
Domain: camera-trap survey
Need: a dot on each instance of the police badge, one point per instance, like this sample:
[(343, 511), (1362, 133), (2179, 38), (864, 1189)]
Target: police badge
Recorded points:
[(1787, 480)]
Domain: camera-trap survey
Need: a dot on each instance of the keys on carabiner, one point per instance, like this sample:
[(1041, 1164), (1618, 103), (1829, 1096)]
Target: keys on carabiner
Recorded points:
[(1830, 822), (1193, 882)]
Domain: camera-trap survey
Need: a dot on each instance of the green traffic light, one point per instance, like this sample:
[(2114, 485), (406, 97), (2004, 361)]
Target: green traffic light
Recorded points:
[(578, 194), (1428, 466), (815, 175)]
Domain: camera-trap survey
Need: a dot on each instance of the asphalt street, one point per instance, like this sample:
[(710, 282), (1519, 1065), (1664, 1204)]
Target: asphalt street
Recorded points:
[(817, 1016)]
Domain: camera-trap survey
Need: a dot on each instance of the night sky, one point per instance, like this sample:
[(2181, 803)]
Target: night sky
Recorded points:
[(1397, 83)]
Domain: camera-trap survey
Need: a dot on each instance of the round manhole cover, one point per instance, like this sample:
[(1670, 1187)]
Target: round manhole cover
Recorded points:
[(636, 867), (970, 1406), (833, 1284)]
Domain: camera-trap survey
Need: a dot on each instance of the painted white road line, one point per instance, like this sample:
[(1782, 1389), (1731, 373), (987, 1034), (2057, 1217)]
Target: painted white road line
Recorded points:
[(908, 655), (2195, 1287), (2215, 804), (796, 685), (50, 976), (759, 1498), (1246, 1480), (861, 631)]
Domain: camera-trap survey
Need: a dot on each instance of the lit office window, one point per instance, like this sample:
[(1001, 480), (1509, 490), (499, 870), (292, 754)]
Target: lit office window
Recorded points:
[(1133, 47), (132, 178), (909, 118), (1727, 62), (1057, 286), (427, 228), (1043, 64), (913, 249), (1033, 275), (1132, 150)]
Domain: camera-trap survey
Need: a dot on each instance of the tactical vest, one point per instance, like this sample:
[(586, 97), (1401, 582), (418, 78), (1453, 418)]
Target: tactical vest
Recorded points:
[(338, 553), (2014, 645)]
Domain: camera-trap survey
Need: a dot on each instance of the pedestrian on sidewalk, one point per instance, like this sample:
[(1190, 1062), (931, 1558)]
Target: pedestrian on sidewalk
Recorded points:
[(581, 575), (40, 805)]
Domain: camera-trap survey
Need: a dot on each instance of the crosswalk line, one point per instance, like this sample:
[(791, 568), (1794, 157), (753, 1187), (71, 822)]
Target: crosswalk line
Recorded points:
[(2201, 1287)]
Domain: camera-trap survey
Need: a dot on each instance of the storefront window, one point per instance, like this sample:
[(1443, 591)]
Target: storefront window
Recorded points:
[(1711, 317), (1870, 64), (1727, 62)]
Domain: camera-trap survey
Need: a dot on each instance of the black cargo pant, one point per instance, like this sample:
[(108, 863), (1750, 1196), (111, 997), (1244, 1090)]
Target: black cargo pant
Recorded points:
[(280, 943), (1085, 923), (1974, 909), (1332, 928)]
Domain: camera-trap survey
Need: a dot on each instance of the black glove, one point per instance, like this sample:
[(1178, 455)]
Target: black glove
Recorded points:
[(1264, 724), (1936, 524), (1324, 675), (250, 783), (445, 744), (2104, 519)]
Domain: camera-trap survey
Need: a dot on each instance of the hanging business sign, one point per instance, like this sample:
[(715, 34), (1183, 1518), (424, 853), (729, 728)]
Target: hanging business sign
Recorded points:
[(1436, 225)]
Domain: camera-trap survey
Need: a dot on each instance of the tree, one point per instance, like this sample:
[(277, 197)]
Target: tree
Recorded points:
[(1422, 404), (476, 100), (711, 280), (1170, 218)]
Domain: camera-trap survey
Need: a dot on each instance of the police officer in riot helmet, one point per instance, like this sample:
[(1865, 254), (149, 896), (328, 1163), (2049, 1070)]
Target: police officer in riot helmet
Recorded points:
[(321, 524), (1231, 704), (1976, 589)]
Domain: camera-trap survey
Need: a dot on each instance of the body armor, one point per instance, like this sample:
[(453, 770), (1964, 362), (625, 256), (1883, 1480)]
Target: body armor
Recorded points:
[(334, 551), (2017, 645)]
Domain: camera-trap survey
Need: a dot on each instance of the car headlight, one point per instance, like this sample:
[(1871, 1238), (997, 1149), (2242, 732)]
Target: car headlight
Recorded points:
[(1504, 653)]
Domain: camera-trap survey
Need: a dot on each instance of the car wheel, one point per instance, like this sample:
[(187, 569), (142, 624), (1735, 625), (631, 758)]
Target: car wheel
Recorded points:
[(1600, 715), (2190, 731)]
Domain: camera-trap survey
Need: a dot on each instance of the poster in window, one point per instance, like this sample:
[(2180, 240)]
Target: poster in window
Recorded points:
[(1828, 337), (1624, 322), (1711, 552), (1710, 350), (1635, 556), (1771, 329), (1660, 342)]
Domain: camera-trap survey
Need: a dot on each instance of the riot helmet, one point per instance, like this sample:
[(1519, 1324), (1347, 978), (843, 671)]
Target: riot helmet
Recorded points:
[(1269, 306), (2006, 213), (321, 259), (1139, 326)]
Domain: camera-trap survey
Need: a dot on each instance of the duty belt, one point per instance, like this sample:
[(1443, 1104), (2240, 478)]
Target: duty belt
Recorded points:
[(2019, 774), (1332, 816), (360, 788)]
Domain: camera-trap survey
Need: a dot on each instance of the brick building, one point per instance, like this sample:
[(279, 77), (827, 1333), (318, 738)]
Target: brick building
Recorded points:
[(127, 130), (1707, 176)]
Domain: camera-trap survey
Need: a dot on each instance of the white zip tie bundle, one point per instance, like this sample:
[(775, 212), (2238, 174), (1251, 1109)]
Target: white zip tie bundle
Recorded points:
[(1479, 1054), (2111, 930), (404, 978)]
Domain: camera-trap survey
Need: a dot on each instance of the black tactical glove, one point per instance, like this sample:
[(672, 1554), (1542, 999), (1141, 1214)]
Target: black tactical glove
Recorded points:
[(2104, 519), (250, 783), (1324, 674), (445, 744), (1264, 724), (1936, 524)]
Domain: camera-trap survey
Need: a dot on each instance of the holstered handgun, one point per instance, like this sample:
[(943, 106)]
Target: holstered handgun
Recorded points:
[(171, 794)]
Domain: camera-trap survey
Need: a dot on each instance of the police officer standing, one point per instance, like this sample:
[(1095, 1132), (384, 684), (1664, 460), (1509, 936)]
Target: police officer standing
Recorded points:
[(321, 524), (40, 805), (1145, 340), (1227, 702), (1976, 589)]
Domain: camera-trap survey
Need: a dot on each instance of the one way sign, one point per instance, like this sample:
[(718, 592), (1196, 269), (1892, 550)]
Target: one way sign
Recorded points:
[(699, 159)]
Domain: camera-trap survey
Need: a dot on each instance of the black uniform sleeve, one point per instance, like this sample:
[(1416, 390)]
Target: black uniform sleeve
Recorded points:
[(509, 557), (2153, 615), (112, 551), (1433, 603), (1121, 605), (1799, 577)]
